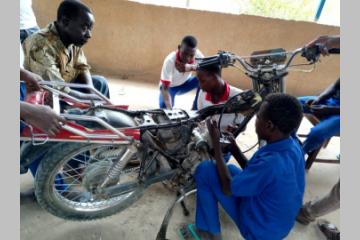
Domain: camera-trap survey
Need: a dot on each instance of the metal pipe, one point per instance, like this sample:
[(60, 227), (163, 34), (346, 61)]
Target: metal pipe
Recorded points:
[(319, 10), (98, 120)]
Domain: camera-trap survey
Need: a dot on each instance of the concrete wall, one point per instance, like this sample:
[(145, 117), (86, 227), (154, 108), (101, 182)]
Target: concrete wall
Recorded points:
[(130, 40)]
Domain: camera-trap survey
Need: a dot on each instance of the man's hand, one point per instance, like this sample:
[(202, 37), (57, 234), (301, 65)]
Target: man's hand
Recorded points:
[(232, 140), (166, 97), (180, 66), (185, 67), (31, 80), (325, 43), (231, 129), (223, 171), (190, 67), (321, 111), (311, 102), (41, 117), (214, 131)]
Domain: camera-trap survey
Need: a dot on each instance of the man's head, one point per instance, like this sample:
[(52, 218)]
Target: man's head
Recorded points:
[(75, 21), (187, 49), (279, 115), (209, 77)]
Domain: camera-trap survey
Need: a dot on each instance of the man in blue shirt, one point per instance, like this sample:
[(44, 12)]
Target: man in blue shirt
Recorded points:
[(326, 106), (264, 197)]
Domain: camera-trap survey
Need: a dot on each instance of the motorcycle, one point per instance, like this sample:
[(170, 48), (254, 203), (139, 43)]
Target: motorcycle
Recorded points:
[(106, 156)]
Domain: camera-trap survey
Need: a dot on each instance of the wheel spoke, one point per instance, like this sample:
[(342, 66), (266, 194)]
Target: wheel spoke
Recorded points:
[(65, 184), (73, 169), (78, 160), (72, 176)]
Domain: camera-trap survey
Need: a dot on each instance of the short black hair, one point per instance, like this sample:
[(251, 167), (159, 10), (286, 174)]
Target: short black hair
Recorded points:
[(212, 68), (189, 41), (71, 9), (284, 111)]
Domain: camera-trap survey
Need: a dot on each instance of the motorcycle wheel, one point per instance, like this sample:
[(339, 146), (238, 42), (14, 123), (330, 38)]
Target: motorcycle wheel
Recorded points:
[(68, 172)]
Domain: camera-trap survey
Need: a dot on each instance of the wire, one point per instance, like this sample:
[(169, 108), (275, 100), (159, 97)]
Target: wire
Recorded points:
[(251, 148), (224, 107)]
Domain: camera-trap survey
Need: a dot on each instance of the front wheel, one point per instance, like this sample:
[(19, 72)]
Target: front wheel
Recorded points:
[(68, 176)]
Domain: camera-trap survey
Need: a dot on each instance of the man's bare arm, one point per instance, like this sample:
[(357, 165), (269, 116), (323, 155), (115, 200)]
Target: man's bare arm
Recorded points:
[(41, 117), (166, 97)]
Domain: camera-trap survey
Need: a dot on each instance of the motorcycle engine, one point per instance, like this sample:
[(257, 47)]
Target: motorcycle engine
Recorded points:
[(175, 139)]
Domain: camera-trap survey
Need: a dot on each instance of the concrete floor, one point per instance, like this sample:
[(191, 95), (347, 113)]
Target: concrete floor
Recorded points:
[(143, 218)]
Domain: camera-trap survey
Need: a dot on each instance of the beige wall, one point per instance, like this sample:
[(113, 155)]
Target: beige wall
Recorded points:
[(130, 40)]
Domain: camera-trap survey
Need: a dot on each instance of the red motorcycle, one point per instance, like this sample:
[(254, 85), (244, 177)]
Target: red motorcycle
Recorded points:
[(106, 156)]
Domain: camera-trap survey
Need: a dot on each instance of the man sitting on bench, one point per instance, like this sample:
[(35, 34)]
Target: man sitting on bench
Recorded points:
[(55, 52), (325, 107)]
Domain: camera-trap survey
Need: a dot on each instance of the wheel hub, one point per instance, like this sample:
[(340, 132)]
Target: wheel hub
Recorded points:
[(95, 174)]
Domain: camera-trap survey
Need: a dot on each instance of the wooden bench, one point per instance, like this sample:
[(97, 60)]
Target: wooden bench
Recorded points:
[(312, 156)]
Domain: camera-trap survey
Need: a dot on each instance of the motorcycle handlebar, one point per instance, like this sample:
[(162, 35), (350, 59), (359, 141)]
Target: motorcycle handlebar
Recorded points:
[(225, 59), (222, 59)]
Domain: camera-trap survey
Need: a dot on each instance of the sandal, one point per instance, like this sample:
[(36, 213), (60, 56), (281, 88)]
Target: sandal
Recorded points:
[(329, 230), (187, 232)]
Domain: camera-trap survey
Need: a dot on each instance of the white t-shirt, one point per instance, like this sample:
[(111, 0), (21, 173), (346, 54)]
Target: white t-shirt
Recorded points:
[(169, 73), (27, 16), (204, 100), (21, 57)]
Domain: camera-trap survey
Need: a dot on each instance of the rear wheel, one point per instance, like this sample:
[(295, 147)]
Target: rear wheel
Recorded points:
[(70, 173)]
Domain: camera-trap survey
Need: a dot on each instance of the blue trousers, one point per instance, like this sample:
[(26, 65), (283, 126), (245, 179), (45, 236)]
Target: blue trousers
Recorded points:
[(100, 84), (190, 84), (24, 33), (209, 194), (328, 127)]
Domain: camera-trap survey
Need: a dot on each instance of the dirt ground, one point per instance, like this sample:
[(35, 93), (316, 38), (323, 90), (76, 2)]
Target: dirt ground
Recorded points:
[(142, 220)]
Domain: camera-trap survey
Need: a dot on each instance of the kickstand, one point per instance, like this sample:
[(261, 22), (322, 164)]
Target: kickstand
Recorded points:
[(164, 225), (186, 211)]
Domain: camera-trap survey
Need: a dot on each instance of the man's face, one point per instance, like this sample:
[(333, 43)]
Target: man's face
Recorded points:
[(79, 28), (262, 125), (186, 53), (207, 81)]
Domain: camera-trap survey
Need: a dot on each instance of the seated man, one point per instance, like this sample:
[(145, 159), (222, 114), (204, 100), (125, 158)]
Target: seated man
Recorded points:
[(213, 91), (176, 78), (55, 52), (264, 197), (329, 126), (326, 107)]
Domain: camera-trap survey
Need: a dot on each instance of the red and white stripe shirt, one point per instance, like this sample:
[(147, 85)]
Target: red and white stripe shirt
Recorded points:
[(205, 100), (170, 76)]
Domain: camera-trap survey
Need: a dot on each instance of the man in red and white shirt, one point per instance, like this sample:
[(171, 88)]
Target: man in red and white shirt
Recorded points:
[(214, 91), (176, 74)]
